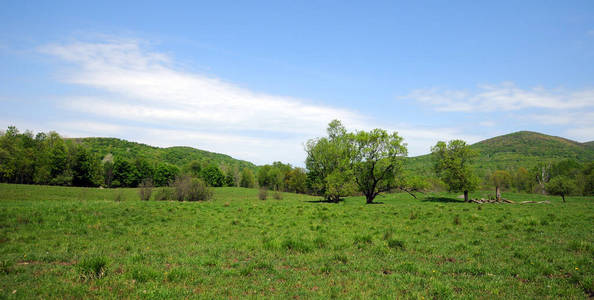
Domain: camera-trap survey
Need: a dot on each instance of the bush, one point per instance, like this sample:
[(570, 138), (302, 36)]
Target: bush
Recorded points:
[(191, 189), (277, 195), (163, 194), (263, 193), (146, 189)]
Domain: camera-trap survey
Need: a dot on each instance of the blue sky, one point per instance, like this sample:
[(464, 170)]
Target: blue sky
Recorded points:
[(255, 80)]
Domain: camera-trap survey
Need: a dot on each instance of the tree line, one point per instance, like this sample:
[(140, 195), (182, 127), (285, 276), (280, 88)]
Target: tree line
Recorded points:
[(341, 164), (47, 158)]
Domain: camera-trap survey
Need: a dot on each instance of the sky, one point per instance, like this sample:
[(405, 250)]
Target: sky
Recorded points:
[(257, 79)]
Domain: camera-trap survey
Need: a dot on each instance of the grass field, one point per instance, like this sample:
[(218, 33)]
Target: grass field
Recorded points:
[(59, 242)]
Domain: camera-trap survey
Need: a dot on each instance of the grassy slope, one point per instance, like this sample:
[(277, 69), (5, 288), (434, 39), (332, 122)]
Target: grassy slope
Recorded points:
[(523, 148), (238, 246), (174, 155)]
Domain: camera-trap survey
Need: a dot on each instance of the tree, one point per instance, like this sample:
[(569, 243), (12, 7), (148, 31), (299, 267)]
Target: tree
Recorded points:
[(144, 169), (561, 186), (85, 168), (164, 174), (452, 165), (329, 163), (542, 173), (107, 173), (296, 180), (247, 178), (125, 173), (522, 180), (194, 168), (213, 175), (376, 161), (229, 180), (500, 179)]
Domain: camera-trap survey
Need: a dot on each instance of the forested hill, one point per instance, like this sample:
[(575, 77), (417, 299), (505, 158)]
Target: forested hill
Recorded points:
[(519, 149), (179, 156)]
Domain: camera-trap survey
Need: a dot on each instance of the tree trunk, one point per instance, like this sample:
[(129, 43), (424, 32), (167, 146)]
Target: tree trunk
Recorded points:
[(563, 197), (466, 196), (497, 194), (369, 199)]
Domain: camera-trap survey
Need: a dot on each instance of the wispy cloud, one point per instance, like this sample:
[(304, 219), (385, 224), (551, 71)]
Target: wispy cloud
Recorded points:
[(142, 95), (503, 97), (178, 107), (145, 87)]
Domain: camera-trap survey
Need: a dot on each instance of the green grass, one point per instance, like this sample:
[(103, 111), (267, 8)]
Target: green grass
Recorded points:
[(59, 242)]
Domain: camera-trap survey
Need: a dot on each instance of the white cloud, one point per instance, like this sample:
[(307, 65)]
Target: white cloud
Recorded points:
[(147, 88), (504, 97), (576, 118), (584, 134), (487, 123), (141, 96)]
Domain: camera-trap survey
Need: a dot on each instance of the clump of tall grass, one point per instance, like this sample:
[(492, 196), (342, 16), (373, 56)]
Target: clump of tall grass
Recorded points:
[(92, 268), (119, 196)]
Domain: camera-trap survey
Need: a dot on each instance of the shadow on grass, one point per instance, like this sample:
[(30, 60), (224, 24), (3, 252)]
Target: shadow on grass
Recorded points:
[(325, 201), (442, 199)]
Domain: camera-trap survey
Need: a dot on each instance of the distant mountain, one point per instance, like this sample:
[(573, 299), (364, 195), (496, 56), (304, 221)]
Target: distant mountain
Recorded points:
[(523, 148), (179, 156)]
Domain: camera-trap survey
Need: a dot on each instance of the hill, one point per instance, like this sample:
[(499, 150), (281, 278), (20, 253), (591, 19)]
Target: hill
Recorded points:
[(178, 156), (523, 148)]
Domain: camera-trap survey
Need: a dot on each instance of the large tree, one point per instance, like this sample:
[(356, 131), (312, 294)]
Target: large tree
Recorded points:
[(452, 165), (377, 159), (329, 163)]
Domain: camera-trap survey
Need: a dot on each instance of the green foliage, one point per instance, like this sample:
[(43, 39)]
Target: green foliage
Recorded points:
[(247, 179), (377, 159), (452, 165), (85, 168), (561, 186), (178, 156), (213, 176), (125, 174), (329, 163), (165, 173)]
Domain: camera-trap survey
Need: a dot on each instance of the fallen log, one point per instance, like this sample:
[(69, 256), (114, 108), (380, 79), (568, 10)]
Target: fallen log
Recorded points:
[(536, 202)]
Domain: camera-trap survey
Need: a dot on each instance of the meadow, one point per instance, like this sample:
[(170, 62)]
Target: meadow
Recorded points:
[(65, 242)]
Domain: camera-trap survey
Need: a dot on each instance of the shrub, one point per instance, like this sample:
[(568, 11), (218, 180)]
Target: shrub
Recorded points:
[(263, 193), (164, 193), (277, 195), (92, 268), (146, 189), (191, 189)]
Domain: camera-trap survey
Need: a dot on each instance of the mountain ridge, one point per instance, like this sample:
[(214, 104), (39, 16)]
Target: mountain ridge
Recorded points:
[(176, 155), (512, 150)]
